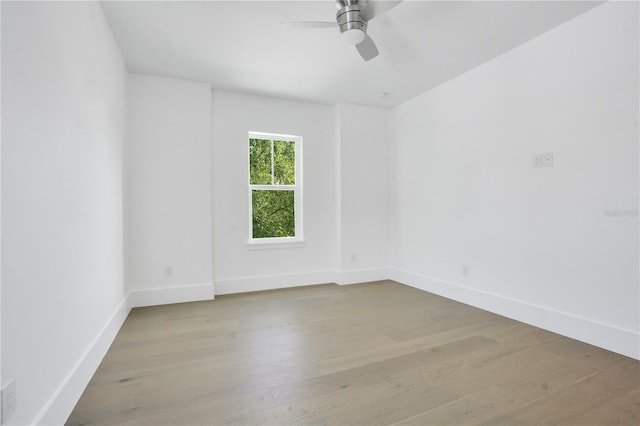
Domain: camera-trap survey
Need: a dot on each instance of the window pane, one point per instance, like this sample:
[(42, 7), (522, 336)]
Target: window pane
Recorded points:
[(260, 161), (273, 214), (284, 155)]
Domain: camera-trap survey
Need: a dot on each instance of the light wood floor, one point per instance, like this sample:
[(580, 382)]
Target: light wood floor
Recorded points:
[(368, 354)]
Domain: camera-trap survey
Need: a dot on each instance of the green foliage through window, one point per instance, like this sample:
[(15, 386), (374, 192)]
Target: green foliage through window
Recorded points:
[(284, 155), (273, 214), (272, 163), (260, 161)]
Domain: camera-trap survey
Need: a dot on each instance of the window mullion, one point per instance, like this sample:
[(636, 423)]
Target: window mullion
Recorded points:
[(273, 165), (273, 188)]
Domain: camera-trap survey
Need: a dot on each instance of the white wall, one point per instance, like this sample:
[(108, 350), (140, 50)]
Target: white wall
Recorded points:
[(363, 193), (168, 190), (63, 105), (538, 242), (237, 267)]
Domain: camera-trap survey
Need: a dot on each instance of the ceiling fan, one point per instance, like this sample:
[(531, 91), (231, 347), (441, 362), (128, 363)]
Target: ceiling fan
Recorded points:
[(352, 19)]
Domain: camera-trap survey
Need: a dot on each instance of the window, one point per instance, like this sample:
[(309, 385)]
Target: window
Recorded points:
[(275, 188)]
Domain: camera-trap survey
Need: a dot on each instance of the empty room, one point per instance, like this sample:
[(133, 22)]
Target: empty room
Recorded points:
[(320, 212)]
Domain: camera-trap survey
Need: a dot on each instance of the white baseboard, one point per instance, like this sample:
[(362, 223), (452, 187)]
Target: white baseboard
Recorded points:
[(622, 341), (167, 295), (362, 276), (271, 282), (61, 404)]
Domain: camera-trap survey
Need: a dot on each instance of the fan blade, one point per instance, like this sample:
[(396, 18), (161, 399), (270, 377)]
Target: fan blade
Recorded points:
[(309, 24), (376, 8), (367, 48)]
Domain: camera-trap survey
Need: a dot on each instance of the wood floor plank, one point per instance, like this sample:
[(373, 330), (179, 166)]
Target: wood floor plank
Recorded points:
[(471, 409), (568, 404), (623, 409), (369, 354)]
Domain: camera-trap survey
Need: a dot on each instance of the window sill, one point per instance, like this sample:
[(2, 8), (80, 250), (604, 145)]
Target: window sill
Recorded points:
[(279, 244)]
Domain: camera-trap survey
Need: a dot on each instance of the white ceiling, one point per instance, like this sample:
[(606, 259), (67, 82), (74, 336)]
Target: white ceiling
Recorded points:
[(241, 46)]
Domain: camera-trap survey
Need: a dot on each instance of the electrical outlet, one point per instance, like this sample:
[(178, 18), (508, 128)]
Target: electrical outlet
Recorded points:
[(465, 270), (537, 160), (8, 401), (547, 159), (168, 271)]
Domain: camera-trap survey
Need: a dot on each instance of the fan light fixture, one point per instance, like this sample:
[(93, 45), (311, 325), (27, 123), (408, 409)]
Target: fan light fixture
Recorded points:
[(353, 36)]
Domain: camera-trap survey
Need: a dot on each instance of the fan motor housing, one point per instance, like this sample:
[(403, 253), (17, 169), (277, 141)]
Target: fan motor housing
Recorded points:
[(348, 16)]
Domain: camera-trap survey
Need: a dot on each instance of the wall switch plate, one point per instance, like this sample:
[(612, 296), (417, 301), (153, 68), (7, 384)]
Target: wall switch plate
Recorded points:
[(537, 160), (8, 401), (547, 159)]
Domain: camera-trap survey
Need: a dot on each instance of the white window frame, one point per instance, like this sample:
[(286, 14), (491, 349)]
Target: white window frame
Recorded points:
[(278, 242)]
